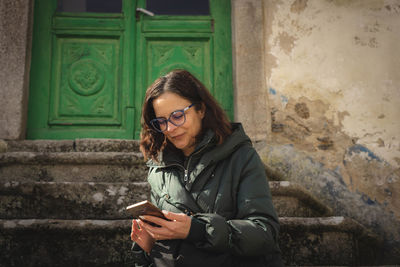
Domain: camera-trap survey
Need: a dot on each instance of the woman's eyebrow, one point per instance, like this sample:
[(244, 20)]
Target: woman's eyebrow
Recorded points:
[(170, 113), (166, 117)]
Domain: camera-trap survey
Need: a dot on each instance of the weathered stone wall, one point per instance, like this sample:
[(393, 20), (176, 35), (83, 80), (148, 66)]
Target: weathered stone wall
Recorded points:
[(15, 39), (334, 92)]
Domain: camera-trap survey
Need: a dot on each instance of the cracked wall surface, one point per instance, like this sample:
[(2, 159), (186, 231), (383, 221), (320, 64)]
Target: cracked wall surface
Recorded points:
[(333, 81)]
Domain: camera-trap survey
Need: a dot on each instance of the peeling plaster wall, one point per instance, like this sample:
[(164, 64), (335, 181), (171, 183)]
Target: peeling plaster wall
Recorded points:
[(332, 71)]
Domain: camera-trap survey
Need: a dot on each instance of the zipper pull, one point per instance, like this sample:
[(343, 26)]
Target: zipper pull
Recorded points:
[(186, 176)]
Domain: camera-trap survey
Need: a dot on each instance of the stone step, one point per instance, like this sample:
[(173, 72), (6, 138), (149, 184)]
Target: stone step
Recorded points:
[(69, 200), (328, 241), (103, 160), (303, 241), (77, 145), (87, 160), (100, 200), (56, 197), (65, 243), (292, 200), (72, 166)]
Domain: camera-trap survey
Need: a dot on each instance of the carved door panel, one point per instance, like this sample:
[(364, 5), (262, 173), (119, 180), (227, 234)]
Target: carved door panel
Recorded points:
[(80, 83), (85, 80)]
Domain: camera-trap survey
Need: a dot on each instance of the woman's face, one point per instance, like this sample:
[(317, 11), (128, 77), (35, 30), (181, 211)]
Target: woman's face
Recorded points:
[(182, 137)]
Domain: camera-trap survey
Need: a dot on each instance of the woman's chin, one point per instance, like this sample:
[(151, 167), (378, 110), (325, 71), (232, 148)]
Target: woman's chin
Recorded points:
[(179, 145), (184, 147)]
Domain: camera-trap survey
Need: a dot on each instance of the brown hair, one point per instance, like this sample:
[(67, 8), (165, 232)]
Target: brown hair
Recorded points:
[(184, 84)]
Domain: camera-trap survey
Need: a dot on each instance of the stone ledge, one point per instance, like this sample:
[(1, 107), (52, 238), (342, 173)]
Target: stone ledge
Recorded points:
[(48, 241), (69, 200), (293, 223), (285, 188), (106, 145), (73, 166), (97, 158), (3, 146), (73, 173), (107, 200), (327, 224), (65, 243), (328, 241), (77, 145), (40, 146), (57, 224), (333, 223)]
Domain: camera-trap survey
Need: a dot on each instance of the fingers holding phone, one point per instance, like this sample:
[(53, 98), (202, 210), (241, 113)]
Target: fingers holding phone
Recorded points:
[(141, 236), (175, 226), (160, 225)]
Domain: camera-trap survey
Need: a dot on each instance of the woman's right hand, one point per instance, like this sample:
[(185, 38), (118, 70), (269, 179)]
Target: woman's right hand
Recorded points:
[(141, 237)]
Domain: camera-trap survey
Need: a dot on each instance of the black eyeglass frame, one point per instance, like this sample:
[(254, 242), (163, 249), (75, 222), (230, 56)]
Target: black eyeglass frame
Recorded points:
[(156, 120)]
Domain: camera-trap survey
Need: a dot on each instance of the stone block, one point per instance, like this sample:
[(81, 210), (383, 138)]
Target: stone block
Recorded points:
[(3, 146), (66, 200), (107, 200), (292, 200), (327, 241), (65, 243), (72, 166), (40, 146), (324, 241), (106, 145)]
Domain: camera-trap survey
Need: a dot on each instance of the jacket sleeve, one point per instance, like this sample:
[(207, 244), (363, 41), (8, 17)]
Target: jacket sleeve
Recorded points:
[(140, 258), (255, 229)]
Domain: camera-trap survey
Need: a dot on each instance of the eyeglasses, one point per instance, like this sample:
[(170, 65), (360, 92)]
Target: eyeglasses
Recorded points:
[(177, 118)]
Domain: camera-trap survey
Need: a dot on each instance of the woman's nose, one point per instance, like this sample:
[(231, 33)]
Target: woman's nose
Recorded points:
[(171, 127)]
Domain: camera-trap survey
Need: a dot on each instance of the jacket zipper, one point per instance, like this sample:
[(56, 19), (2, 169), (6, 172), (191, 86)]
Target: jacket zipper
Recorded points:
[(186, 170), (186, 176)]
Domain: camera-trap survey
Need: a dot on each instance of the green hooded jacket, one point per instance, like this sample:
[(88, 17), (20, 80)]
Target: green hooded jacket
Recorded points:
[(225, 189)]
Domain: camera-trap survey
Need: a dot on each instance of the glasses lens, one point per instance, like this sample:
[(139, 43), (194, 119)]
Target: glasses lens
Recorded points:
[(159, 124), (178, 117)]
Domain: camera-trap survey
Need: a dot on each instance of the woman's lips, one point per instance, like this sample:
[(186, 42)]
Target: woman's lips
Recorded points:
[(178, 136)]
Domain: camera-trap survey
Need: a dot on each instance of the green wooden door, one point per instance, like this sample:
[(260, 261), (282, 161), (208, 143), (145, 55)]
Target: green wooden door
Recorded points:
[(90, 70), (199, 44)]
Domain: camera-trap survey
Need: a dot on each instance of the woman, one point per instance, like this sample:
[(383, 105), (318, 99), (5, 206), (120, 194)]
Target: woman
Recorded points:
[(208, 180)]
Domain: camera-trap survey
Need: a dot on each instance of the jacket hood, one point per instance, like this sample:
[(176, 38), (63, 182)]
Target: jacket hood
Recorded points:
[(231, 143)]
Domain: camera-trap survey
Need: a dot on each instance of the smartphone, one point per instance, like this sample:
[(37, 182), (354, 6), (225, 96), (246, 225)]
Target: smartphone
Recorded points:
[(144, 208)]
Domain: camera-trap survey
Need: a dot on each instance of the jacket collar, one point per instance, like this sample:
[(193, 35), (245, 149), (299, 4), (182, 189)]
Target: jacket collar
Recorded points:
[(207, 149), (172, 155)]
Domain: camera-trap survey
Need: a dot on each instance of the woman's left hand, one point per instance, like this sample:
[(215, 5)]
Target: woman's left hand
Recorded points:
[(177, 227)]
